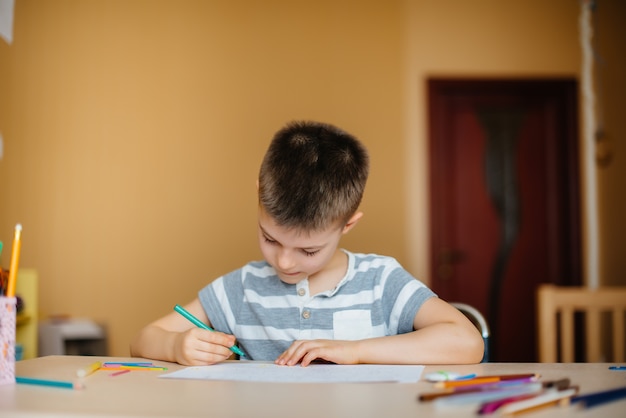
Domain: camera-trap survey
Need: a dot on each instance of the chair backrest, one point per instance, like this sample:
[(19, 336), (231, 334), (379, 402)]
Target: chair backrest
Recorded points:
[(479, 322), (556, 309)]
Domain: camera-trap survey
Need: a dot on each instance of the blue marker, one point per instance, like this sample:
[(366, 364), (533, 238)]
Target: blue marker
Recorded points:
[(48, 382), (202, 325), (617, 367), (442, 376), (600, 398)]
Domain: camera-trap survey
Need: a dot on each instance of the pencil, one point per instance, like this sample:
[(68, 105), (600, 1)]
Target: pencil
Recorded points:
[(201, 324), (491, 407), (133, 368), (114, 363), (491, 395), (598, 398), (48, 382), (481, 380), (465, 390), (15, 261), (560, 384), (87, 370), (550, 398), (119, 373), (142, 368)]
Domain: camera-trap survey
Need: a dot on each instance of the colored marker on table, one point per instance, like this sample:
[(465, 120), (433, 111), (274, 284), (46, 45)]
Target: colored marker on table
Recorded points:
[(441, 375), (483, 380), (133, 368), (86, 371), (548, 399), (600, 398), (119, 373), (476, 389), (123, 363), (491, 407), (202, 325), (490, 395), (48, 382)]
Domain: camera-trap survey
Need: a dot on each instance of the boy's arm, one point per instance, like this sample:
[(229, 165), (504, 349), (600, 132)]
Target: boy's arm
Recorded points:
[(173, 338), (443, 336)]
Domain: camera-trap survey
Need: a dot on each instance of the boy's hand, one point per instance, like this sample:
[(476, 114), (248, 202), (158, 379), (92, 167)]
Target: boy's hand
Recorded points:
[(334, 351), (199, 347)]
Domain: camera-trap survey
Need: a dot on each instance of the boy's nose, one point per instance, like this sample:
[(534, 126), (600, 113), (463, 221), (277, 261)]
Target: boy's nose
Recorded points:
[(284, 260)]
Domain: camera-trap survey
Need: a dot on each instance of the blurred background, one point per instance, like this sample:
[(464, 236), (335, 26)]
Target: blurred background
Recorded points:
[(133, 129)]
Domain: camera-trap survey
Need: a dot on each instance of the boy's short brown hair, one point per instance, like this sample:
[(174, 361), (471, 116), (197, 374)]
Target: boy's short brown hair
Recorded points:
[(313, 175)]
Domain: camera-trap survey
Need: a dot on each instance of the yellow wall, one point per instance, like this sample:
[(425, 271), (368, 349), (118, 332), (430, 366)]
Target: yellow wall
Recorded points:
[(133, 129)]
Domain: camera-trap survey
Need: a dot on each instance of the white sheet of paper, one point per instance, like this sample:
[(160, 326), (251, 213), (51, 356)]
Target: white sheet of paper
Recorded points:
[(255, 371)]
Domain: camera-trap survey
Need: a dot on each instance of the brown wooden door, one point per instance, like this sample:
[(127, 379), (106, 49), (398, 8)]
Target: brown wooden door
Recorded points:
[(504, 199)]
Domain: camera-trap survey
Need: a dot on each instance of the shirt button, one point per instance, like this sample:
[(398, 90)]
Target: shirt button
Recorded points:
[(306, 314), (301, 292)]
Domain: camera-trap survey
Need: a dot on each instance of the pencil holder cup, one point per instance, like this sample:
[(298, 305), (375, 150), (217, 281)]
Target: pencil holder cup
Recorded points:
[(7, 339)]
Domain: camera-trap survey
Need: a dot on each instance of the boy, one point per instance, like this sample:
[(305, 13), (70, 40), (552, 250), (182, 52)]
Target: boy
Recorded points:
[(309, 300)]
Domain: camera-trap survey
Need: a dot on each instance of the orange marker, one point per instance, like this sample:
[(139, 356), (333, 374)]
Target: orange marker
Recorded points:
[(483, 380)]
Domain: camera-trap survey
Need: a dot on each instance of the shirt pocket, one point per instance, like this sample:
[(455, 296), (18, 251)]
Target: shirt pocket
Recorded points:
[(352, 325)]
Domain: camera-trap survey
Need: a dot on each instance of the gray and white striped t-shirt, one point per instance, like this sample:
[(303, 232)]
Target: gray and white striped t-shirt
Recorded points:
[(377, 297)]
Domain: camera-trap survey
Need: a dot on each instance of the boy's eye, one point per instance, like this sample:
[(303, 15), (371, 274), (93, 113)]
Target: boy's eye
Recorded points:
[(307, 253)]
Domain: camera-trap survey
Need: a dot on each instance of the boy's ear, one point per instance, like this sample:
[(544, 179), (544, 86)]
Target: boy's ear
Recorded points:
[(352, 222)]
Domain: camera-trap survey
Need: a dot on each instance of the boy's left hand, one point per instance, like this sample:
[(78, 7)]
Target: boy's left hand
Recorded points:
[(306, 351)]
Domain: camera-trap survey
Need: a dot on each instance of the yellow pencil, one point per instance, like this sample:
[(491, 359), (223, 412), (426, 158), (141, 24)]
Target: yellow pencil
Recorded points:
[(86, 371), (15, 261)]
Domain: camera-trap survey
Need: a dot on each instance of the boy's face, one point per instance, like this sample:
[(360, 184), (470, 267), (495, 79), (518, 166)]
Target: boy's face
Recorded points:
[(296, 255)]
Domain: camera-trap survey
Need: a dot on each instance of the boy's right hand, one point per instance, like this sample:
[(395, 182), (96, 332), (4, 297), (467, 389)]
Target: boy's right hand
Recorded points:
[(199, 347)]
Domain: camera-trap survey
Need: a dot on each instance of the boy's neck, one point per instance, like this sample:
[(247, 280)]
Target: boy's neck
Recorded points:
[(329, 277)]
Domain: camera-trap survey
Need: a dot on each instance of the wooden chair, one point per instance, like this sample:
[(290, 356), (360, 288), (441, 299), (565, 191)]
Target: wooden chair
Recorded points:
[(600, 309)]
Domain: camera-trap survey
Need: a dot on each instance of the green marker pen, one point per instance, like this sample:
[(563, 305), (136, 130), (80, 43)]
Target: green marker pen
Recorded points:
[(201, 324)]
